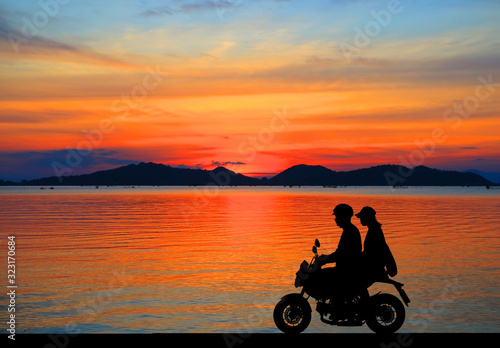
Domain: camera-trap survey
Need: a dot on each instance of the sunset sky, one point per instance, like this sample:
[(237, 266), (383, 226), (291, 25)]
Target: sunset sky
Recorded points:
[(256, 86)]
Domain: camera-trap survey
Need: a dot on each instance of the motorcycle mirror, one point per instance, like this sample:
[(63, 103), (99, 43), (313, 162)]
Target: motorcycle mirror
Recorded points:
[(316, 242), (315, 250)]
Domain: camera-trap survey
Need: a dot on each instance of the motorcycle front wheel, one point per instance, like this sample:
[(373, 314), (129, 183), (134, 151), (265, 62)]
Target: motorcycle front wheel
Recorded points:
[(292, 314), (386, 314)]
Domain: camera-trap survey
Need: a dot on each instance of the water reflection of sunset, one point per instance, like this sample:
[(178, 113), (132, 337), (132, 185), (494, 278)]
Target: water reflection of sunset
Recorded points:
[(115, 261)]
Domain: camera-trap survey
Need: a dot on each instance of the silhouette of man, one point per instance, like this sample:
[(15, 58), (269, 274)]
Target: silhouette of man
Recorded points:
[(348, 251), (342, 278), (376, 254)]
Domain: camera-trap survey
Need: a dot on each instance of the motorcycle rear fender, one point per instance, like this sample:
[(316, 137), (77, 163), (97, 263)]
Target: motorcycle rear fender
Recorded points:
[(399, 287), (295, 297), (403, 294)]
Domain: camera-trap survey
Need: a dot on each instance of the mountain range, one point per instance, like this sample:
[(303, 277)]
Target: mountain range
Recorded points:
[(149, 174)]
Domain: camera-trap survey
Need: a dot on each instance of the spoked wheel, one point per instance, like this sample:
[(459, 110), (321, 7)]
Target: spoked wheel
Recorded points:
[(292, 314), (386, 314)]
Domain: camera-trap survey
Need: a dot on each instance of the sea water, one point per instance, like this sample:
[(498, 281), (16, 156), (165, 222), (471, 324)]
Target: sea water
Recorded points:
[(218, 259)]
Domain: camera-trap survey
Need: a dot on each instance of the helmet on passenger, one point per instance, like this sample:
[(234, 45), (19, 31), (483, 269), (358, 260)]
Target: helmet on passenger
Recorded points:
[(367, 212)]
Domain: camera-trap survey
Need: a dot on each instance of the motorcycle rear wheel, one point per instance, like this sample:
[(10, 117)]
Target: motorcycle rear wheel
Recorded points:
[(386, 314), (292, 314)]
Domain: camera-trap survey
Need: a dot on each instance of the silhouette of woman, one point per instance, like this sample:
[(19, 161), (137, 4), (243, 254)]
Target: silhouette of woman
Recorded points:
[(374, 255)]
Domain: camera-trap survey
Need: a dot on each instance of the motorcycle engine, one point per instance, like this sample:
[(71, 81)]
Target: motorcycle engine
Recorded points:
[(324, 308)]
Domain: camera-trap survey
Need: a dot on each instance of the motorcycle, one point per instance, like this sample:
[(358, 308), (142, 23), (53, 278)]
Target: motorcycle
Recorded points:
[(383, 313)]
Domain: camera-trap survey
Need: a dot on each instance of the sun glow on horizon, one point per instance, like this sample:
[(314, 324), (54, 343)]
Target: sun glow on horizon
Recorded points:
[(263, 84)]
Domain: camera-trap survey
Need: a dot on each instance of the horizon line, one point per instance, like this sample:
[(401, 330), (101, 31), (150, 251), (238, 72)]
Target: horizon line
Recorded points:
[(261, 176)]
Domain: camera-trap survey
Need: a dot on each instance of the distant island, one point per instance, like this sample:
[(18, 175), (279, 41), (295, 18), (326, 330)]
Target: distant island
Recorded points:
[(153, 174)]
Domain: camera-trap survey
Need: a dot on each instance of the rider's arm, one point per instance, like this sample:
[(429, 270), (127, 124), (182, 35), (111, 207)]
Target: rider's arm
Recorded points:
[(326, 258), (331, 257)]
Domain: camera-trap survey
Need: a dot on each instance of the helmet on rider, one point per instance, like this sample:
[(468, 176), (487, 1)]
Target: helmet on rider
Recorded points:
[(343, 210)]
